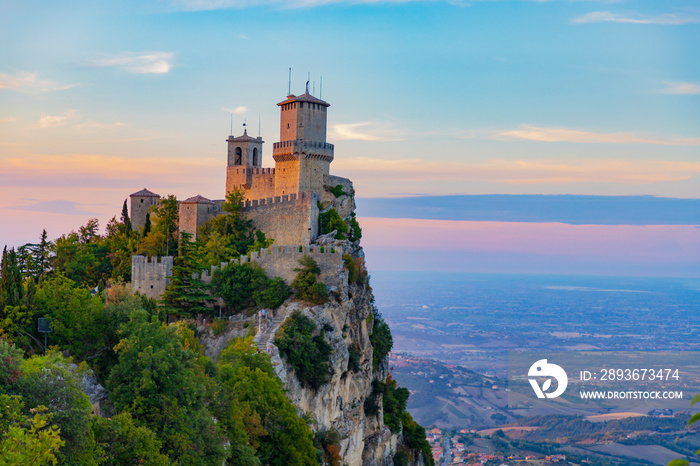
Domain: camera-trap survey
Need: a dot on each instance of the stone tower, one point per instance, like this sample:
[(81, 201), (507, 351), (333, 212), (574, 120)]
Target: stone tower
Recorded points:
[(244, 155), (302, 157), (141, 201)]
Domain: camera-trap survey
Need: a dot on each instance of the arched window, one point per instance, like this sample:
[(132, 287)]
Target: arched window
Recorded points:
[(255, 157), (239, 156)]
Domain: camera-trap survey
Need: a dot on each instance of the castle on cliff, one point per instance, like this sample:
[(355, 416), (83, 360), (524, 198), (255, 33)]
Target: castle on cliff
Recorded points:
[(283, 201)]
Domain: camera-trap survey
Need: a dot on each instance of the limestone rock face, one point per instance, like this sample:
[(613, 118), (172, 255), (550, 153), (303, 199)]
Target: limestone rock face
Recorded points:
[(339, 404), (345, 204)]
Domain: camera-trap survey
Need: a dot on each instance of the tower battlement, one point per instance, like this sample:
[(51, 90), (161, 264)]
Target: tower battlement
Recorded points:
[(150, 275)]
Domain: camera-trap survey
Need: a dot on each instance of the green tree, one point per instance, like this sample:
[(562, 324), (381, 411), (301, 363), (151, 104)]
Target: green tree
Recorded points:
[(225, 237), (48, 381), (125, 220), (74, 314), (305, 283), (160, 384), (10, 279), (272, 426), (185, 295), (381, 340), (243, 285), (305, 349), (162, 240), (123, 442), (26, 439)]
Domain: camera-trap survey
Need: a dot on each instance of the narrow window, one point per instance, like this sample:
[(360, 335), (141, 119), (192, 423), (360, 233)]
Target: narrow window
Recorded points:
[(255, 156), (239, 155)]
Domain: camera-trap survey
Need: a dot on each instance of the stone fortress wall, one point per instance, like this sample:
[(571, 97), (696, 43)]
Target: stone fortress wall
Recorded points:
[(288, 219), (280, 261), (150, 275)]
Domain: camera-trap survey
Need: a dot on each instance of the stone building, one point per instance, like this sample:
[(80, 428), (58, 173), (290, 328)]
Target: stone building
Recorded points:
[(283, 201)]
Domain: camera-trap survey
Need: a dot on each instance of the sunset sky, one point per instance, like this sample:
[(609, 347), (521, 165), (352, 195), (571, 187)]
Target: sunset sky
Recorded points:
[(101, 99)]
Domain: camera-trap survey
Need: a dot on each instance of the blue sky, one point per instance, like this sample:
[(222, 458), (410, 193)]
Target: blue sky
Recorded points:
[(100, 99)]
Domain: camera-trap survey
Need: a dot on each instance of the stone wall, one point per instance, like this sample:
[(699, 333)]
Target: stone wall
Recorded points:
[(149, 275), (280, 261), (257, 183), (288, 219)]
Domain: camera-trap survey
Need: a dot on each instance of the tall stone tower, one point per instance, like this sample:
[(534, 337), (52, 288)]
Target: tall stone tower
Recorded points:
[(141, 201), (244, 155), (302, 157)]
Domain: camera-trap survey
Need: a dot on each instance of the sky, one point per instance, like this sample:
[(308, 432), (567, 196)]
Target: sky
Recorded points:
[(101, 99)]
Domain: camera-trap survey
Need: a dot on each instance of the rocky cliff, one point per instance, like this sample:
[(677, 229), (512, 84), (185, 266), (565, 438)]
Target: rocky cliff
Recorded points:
[(338, 405)]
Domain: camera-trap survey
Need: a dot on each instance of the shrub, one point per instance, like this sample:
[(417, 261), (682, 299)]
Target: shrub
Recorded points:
[(395, 399), (305, 350), (305, 283), (242, 286), (329, 221), (381, 340), (357, 273), (354, 359), (337, 190), (355, 232)]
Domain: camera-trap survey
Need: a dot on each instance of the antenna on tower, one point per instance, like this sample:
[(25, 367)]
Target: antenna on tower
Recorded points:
[(314, 91), (231, 123), (289, 86), (258, 125)]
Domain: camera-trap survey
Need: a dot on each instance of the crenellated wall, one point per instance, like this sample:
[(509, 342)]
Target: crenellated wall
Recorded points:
[(256, 183), (280, 261), (288, 219), (149, 275)]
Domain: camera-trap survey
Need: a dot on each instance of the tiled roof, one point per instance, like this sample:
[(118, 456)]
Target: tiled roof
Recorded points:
[(244, 138), (198, 200), (306, 97), (144, 193)]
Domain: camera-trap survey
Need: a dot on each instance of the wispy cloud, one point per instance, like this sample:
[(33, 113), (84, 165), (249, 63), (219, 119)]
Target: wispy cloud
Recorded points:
[(664, 19), (241, 110), (139, 62), (543, 134), (75, 119), (7, 120), (680, 88), (49, 121), (31, 83), (203, 5), (90, 124), (54, 207), (366, 131)]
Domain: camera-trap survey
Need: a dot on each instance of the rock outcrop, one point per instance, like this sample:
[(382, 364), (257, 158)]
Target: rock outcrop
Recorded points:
[(347, 317)]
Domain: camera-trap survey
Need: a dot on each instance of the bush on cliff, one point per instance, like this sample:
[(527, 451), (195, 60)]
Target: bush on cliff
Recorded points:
[(329, 221), (305, 350), (381, 340), (305, 283), (243, 286)]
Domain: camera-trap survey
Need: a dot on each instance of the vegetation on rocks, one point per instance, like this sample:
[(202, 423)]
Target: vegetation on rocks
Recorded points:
[(306, 285), (305, 349)]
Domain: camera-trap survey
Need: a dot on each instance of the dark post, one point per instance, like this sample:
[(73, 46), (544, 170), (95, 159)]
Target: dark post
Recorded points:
[(44, 326)]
